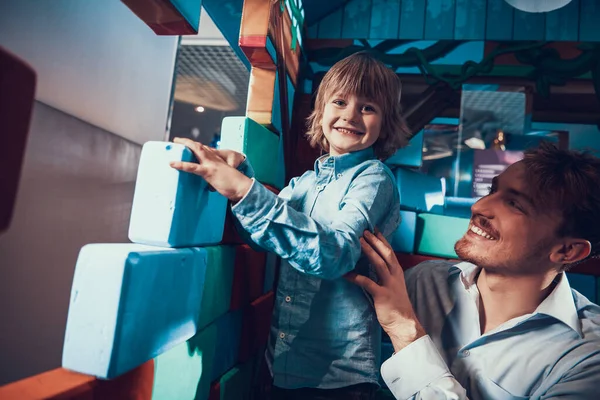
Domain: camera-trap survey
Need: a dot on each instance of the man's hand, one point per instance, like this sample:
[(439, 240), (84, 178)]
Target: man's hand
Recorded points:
[(224, 178), (392, 304)]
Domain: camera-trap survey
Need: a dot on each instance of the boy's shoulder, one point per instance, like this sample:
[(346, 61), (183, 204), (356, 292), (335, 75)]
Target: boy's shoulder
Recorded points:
[(374, 166)]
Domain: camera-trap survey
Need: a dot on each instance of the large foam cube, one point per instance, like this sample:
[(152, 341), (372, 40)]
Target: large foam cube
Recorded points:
[(459, 206), (236, 384), (248, 277), (229, 333), (255, 326), (409, 156), (260, 145), (172, 208), (437, 234), (420, 192), (129, 303), (216, 297), (403, 238), (185, 371)]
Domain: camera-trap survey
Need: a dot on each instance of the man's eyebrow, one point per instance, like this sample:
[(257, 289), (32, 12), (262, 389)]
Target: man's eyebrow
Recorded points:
[(515, 192)]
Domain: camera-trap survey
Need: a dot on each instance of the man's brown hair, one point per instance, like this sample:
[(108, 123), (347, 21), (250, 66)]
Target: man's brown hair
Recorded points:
[(362, 75), (569, 182)]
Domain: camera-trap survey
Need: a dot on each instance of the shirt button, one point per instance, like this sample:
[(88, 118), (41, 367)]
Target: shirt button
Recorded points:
[(466, 353), (288, 299), (339, 175), (282, 335)]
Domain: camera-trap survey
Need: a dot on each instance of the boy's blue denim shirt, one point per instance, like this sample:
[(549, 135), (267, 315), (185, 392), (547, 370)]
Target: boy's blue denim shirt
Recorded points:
[(324, 331)]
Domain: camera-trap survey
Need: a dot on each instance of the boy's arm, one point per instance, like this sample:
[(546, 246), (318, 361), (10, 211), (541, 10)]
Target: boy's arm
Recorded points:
[(328, 250)]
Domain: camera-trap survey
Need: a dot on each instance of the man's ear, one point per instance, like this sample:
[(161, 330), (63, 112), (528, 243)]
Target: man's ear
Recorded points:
[(571, 251)]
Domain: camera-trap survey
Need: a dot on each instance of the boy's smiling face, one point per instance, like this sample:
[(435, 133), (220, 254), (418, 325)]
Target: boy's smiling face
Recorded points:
[(350, 123)]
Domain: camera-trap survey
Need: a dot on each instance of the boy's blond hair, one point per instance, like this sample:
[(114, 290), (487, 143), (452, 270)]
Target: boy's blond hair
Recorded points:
[(362, 75)]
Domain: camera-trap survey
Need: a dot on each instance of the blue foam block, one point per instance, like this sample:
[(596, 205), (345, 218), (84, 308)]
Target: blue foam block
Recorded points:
[(130, 303), (420, 192), (409, 156), (403, 238), (459, 206), (172, 208), (229, 335)]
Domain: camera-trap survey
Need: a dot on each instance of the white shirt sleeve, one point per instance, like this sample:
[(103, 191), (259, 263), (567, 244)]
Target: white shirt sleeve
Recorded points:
[(419, 372)]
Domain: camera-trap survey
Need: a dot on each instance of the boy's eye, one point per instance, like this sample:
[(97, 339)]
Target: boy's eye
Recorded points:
[(369, 108), (339, 102)]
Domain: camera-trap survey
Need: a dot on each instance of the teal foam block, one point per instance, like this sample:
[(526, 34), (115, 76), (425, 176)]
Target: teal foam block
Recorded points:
[(409, 156), (584, 284), (420, 192), (437, 234), (229, 333), (172, 208), (236, 384), (260, 145), (403, 238), (216, 297), (130, 303), (184, 372), (459, 206)]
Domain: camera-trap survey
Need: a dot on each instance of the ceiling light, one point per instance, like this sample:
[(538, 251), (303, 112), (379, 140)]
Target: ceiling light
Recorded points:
[(199, 109)]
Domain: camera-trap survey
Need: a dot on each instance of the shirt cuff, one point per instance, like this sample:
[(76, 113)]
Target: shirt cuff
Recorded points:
[(413, 368), (246, 168), (254, 206)]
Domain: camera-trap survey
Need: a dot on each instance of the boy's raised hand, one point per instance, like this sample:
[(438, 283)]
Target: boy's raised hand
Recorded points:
[(211, 166), (232, 158)]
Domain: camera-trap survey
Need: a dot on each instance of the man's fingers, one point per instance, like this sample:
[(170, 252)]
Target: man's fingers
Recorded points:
[(187, 167), (383, 249), (378, 263), (363, 282)]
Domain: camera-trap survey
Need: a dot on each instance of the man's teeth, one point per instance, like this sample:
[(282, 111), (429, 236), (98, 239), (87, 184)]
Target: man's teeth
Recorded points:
[(480, 232)]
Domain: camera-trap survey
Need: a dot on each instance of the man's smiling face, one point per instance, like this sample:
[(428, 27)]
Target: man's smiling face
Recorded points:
[(508, 234)]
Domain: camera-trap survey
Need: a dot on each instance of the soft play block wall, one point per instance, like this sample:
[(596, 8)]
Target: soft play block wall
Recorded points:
[(437, 234), (409, 156), (259, 144), (172, 208), (403, 238), (420, 192), (129, 303)]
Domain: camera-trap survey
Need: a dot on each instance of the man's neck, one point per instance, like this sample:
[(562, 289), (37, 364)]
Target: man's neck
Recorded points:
[(504, 297)]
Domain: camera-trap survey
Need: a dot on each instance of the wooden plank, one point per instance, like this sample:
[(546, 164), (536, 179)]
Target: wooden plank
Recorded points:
[(385, 19), (173, 17), (499, 20), (63, 384), (357, 15), (529, 26), (589, 17), (439, 19), (563, 24), (412, 19), (469, 22), (330, 27)]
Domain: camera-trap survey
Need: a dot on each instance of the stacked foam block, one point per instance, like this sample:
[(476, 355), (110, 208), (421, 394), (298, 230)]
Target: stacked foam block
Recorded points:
[(187, 292)]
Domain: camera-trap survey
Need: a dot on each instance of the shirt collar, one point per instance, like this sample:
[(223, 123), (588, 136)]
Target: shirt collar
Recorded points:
[(559, 304), (345, 161)]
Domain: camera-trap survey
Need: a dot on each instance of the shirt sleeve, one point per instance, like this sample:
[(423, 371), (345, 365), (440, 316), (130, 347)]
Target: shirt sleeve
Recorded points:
[(246, 168), (327, 250), (419, 372)]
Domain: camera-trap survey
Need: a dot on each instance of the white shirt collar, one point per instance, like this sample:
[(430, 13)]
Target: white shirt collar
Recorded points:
[(559, 304)]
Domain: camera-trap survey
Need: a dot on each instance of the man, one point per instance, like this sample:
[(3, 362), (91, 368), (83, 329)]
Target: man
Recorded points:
[(504, 323)]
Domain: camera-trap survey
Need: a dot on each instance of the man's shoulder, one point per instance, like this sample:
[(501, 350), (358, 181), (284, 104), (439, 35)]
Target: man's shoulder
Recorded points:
[(431, 271)]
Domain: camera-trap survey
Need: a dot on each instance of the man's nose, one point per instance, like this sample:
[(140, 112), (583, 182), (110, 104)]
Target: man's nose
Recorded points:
[(484, 206)]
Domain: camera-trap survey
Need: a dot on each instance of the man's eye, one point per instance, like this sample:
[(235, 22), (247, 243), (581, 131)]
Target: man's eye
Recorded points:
[(492, 190)]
